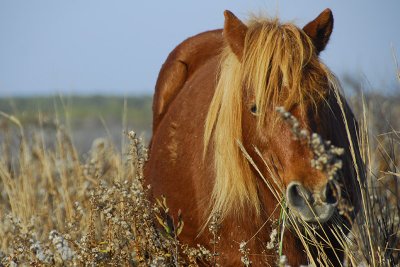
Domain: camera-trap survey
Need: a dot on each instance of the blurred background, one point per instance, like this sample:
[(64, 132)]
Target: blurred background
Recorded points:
[(92, 65)]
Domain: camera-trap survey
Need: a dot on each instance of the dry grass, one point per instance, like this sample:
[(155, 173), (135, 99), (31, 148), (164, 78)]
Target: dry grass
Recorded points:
[(58, 208)]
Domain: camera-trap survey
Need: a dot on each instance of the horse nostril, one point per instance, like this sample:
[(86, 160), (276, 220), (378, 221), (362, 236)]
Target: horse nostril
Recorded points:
[(297, 195), (331, 193), (312, 206)]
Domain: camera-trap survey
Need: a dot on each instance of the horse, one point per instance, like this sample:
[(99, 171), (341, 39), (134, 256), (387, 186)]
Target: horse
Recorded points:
[(218, 140)]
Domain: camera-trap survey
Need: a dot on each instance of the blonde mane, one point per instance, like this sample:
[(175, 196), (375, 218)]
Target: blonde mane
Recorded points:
[(279, 67)]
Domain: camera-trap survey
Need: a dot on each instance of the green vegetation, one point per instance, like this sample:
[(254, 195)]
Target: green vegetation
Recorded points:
[(85, 118), (78, 109)]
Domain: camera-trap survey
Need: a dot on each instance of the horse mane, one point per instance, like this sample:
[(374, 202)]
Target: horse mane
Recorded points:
[(279, 68)]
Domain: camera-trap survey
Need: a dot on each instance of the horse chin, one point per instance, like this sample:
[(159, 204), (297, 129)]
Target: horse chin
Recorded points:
[(317, 215)]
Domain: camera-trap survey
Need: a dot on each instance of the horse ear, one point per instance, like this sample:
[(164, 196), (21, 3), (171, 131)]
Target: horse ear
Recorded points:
[(320, 29), (234, 33)]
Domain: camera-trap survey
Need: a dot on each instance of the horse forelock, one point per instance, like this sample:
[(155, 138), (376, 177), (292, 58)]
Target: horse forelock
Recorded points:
[(279, 67)]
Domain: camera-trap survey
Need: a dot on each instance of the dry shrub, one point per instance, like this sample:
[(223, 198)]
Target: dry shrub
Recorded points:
[(57, 209)]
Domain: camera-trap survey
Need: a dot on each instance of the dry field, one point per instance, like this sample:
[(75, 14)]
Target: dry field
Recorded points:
[(61, 207)]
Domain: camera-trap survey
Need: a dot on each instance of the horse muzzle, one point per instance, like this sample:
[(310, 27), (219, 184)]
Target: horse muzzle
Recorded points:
[(313, 206)]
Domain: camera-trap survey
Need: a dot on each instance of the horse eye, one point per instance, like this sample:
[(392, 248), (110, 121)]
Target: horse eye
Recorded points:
[(253, 109)]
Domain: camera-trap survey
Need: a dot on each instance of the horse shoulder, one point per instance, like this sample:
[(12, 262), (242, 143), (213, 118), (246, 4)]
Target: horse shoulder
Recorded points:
[(181, 63)]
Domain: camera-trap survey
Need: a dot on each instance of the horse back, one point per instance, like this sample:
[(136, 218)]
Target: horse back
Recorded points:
[(180, 65)]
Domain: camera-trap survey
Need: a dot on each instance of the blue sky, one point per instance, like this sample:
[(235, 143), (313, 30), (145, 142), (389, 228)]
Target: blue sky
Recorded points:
[(117, 47)]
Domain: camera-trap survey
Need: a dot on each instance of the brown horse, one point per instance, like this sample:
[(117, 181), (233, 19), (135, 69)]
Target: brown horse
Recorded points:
[(215, 98)]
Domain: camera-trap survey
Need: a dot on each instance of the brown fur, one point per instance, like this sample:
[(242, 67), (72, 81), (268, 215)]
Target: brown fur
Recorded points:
[(320, 29), (179, 66), (235, 33), (201, 113)]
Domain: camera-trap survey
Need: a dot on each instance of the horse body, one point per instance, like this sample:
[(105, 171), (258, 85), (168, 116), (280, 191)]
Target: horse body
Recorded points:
[(183, 161), (174, 170)]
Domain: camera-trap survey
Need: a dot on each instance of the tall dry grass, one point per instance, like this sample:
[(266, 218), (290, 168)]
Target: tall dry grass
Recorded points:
[(61, 208)]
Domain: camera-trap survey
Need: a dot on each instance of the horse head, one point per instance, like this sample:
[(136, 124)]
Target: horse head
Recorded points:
[(273, 65)]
